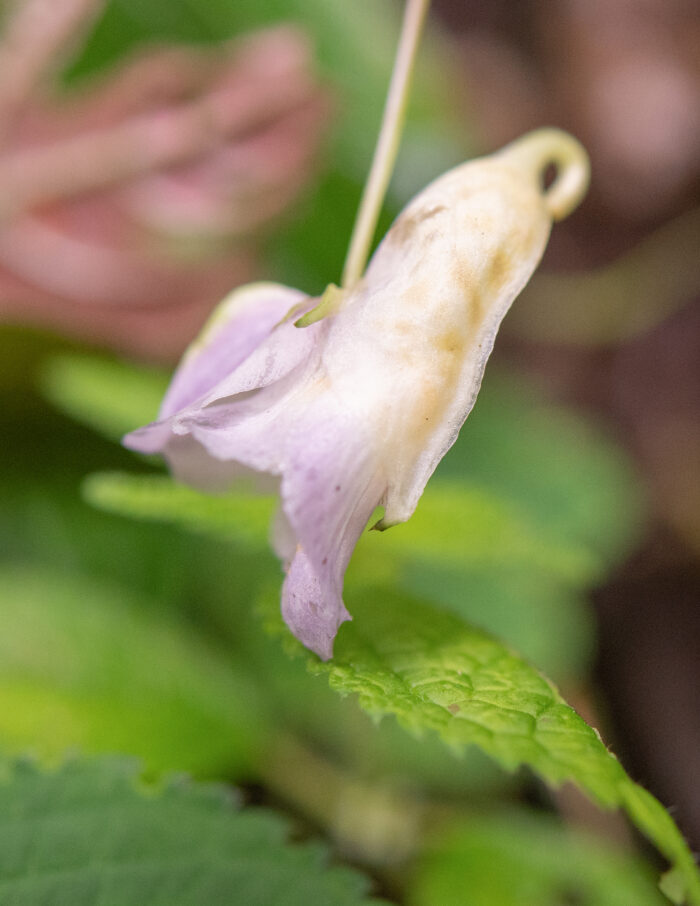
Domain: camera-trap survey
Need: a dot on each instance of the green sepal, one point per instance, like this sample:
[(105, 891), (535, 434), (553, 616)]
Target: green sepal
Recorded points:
[(331, 302)]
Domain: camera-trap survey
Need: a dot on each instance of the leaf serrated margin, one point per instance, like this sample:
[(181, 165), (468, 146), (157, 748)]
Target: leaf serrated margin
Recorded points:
[(433, 672)]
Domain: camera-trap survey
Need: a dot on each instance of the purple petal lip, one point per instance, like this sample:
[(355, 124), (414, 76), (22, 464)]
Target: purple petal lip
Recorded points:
[(231, 342), (235, 408)]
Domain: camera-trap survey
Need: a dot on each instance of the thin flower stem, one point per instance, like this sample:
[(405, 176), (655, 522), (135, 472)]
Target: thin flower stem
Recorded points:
[(387, 143)]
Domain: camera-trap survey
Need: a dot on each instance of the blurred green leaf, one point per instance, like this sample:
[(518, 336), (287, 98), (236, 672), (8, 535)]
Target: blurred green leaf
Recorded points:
[(434, 672), (454, 525), (85, 665), (556, 467), (672, 886), (90, 832), (244, 517), (109, 396), (521, 859), (458, 523)]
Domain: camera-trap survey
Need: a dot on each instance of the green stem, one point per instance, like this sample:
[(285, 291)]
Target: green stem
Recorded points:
[(387, 143)]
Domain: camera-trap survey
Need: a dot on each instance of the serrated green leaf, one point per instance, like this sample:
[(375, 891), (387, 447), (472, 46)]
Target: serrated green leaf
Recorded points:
[(521, 859), (109, 396), (493, 562), (89, 834), (85, 665), (433, 672), (549, 623)]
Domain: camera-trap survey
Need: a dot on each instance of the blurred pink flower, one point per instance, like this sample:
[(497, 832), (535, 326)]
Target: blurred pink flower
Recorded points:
[(625, 76), (129, 207)]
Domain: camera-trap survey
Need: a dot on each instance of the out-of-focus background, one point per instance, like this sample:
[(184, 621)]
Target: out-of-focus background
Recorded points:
[(612, 323), (155, 154)]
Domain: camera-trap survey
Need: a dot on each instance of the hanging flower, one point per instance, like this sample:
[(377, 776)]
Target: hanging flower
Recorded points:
[(351, 403)]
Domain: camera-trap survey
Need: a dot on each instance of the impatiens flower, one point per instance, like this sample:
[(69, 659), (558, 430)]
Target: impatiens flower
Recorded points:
[(353, 405)]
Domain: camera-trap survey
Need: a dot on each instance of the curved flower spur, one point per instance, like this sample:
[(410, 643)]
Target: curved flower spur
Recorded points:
[(352, 403)]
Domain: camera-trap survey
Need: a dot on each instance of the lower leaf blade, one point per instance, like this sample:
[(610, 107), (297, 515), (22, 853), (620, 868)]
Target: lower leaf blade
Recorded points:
[(432, 671), (90, 832)]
